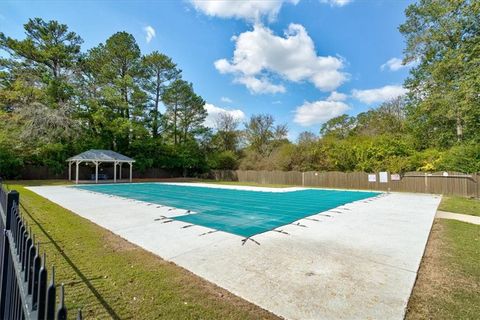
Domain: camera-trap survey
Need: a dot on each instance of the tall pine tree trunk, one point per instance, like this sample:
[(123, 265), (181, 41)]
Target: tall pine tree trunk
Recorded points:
[(175, 125), (155, 111)]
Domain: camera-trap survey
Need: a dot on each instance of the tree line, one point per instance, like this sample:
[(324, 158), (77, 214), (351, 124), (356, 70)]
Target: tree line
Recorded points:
[(57, 100)]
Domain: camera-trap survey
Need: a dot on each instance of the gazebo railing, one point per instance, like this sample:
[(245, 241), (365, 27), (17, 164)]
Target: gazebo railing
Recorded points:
[(24, 291)]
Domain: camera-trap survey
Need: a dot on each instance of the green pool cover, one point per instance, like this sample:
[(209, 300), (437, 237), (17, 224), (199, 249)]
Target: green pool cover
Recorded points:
[(241, 212)]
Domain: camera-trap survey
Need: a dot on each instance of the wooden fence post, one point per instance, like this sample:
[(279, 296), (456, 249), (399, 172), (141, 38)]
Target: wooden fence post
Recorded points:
[(426, 182), (478, 187)]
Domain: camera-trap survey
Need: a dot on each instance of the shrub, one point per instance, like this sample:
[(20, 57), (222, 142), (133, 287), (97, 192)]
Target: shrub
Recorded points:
[(10, 163), (225, 160), (464, 158)]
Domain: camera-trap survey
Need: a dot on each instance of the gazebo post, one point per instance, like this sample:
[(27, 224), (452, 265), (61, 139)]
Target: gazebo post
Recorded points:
[(76, 171), (120, 165), (131, 165), (69, 170), (96, 171), (115, 172)]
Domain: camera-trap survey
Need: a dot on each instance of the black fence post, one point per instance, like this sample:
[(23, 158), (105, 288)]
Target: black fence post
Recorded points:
[(23, 244), (29, 270), (61, 310), (42, 289), (4, 273), (13, 198), (36, 270), (51, 294), (26, 254)]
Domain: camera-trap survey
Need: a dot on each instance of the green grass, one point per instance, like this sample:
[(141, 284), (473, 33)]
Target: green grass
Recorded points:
[(448, 284), (460, 205), (110, 278), (33, 183)]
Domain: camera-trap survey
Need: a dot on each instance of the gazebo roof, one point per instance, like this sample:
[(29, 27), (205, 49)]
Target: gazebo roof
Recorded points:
[(100, 155)]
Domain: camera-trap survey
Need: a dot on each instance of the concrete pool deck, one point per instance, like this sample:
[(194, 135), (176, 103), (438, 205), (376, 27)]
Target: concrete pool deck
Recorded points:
[(358, 261)]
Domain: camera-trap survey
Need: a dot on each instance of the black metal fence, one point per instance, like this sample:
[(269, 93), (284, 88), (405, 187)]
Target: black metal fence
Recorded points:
[(24, 291)]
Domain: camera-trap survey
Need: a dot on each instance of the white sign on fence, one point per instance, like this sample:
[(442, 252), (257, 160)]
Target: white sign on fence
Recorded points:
[(383, 177), (372, 177), (395, 177)]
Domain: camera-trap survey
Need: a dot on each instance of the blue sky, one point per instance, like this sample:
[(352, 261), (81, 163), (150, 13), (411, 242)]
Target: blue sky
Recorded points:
[(283, 57)]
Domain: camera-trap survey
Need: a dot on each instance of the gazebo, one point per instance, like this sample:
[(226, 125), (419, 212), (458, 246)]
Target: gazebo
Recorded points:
[(96, 157)]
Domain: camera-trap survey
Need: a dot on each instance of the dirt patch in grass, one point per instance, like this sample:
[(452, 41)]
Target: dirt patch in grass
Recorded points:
[(448, 283), (430, 275)]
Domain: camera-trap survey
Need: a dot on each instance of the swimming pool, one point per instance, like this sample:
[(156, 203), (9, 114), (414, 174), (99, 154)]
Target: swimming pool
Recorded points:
[(241, 212)]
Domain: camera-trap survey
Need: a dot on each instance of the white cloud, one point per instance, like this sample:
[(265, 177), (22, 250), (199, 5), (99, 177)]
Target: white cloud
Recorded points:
[(318, 112), (379, 94), (150, 33), (259, 53), (252, 10), (396, 64), (336, 3), (337, 96), (226, 99), (214, 111), (262, 85), (393, 64)]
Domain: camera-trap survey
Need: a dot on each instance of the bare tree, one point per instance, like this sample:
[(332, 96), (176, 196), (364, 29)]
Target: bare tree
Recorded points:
[(224, 121), (227, 135), (261, 134), (306, 137)]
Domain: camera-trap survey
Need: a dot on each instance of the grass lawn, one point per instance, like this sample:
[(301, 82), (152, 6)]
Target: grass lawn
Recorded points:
[(460, 205), (109, 278), (448, 284)]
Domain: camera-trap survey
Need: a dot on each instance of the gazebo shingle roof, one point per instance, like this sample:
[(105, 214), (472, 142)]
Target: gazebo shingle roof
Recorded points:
[(100, 155)]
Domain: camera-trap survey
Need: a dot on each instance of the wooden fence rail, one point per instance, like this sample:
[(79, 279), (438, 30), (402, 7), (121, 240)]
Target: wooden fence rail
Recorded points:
[(447, 183)]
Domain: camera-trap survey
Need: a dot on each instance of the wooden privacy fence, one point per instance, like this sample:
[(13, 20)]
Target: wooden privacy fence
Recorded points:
[(24, 291), (448, 183)]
